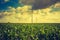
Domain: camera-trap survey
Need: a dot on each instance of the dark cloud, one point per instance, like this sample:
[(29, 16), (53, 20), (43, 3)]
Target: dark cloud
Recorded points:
[(1, 15), (39, 4), (36, 4)]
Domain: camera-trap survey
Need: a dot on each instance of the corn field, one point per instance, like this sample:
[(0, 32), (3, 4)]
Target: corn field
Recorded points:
[(29, 31)]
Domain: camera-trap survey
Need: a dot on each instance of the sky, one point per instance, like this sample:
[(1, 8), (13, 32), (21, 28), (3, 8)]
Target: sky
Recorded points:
[(5, 4), (14, 11)]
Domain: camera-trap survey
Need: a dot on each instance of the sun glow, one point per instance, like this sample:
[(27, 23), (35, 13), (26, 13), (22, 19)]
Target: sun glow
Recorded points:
[(25, 15)]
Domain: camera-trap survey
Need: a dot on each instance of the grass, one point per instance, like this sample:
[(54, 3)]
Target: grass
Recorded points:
[(21, 31)]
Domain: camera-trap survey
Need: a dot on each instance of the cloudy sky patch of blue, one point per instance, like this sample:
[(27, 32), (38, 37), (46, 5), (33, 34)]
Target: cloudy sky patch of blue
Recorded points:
[(13, 3)]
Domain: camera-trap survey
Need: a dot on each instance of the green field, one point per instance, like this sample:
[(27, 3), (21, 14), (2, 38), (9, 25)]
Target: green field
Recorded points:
[(17, 31)]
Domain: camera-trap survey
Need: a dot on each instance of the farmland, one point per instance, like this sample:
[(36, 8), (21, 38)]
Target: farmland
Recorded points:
[(29, 31)]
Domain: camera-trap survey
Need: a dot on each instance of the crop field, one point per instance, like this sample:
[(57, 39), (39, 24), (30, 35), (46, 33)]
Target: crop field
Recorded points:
[(29, 31)]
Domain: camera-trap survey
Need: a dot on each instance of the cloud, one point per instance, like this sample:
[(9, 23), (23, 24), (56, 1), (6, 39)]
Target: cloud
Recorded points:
[(26, 15), (57, 5), (39, 4)]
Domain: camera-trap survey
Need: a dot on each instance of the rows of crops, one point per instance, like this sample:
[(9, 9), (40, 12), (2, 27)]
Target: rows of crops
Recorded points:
[(10, 31)]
